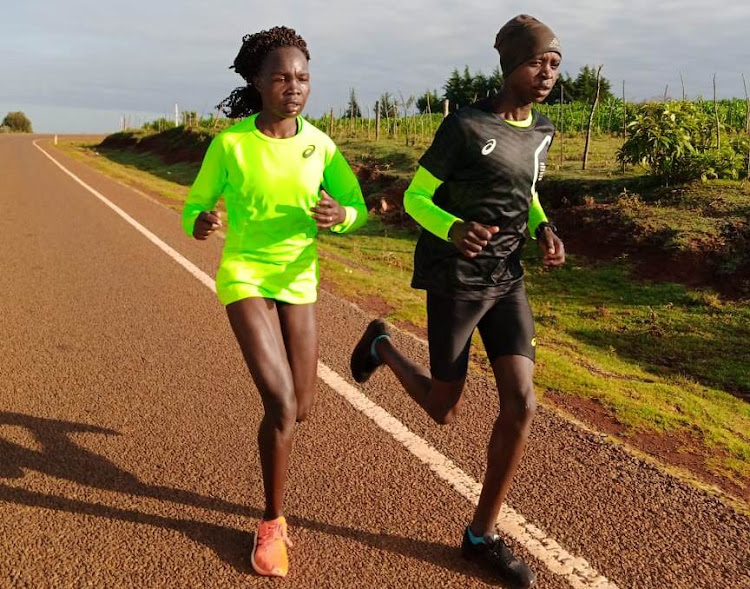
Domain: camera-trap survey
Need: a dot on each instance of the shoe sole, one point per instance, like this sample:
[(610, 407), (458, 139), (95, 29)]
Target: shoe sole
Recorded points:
[(256, 568), (469, 557)]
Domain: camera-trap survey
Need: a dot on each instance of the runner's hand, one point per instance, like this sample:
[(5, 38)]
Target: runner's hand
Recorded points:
[(206, 224), (553, 248), (327, 212), (471, 237)]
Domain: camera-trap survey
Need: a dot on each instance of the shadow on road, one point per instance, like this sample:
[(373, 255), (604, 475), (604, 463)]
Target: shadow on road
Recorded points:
[(61, 458)]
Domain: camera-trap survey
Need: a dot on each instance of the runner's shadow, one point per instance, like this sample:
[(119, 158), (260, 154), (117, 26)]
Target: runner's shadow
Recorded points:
[(233, 546), (230, 544), (61, 458)]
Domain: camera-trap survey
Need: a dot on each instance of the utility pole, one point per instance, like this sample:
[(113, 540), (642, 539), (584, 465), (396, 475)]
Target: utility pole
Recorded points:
[(176, 115)]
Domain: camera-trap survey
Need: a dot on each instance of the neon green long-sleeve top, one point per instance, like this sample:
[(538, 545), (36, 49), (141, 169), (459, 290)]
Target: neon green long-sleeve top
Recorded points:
[(269, 186)]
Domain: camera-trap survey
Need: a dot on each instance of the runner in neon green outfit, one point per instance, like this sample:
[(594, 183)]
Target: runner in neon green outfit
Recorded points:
[(275, 172), (270, 248)]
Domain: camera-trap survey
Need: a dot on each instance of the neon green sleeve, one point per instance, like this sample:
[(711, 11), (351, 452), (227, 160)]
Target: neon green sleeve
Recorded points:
[(208, 186), (341, 183), (419, 204), (536, 214)]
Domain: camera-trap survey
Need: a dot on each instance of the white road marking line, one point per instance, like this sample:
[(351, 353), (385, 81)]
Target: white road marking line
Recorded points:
[(576, 571), (174, 254)]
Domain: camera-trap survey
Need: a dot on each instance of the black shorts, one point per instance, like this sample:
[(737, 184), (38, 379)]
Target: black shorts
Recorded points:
[(505, 325)]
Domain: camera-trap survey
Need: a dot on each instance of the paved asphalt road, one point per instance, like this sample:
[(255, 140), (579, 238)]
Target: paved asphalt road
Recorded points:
[(127, 435)]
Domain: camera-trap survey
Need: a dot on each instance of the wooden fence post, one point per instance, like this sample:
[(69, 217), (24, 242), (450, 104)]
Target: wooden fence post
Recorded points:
[(716, 115), (591, 118), (377, 120), (747, 106), (562, 125), (624, 122), (682, 81)]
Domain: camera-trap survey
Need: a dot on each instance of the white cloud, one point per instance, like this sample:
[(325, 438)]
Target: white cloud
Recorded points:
[(145, 56)]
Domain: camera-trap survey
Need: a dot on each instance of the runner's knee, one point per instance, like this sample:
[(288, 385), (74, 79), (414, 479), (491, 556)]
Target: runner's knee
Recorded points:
[(520, 404), (444, 400), (281, 410)]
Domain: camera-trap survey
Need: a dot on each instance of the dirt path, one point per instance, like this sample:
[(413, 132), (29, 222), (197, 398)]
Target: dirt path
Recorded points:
[(127, 435)]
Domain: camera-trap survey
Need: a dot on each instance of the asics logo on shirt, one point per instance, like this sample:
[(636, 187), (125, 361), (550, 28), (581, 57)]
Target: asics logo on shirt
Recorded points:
[(308, 152), (489, 147)]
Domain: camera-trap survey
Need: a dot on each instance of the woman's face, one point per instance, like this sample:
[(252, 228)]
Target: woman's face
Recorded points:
[(534, 79), (284, 82)]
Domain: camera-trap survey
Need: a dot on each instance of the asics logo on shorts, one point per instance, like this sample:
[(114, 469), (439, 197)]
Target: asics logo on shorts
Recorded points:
[(308, 152), (489, 147), (542, 169)]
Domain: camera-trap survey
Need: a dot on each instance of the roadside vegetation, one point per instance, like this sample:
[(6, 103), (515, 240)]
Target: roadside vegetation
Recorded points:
[(644, 334), (16, 122)]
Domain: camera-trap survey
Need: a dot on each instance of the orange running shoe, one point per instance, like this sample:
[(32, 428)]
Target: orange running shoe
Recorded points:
[(269, 555)]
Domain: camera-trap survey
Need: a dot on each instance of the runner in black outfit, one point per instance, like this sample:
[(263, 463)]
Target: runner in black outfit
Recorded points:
[(475, 194)]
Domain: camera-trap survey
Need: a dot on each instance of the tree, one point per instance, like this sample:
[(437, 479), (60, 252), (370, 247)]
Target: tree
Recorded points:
[(585, 85), (429, 102), (563, 90), (487, 85), (388, 106), (17, 122), (352, 109), (582, 89), (464, 89)]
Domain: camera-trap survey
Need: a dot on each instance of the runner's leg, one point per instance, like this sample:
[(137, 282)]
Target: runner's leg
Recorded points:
[(440, 399), (507, 331), (255, 322), (300, 331), (508, 440), (439, 391)]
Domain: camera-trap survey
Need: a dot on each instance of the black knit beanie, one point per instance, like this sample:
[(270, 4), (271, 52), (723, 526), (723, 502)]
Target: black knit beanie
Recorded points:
[(522, 38)]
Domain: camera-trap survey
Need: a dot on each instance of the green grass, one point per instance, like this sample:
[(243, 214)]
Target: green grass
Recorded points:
[(388, 156), (377, 260), (703, 225), (144, 171), (660, 357)]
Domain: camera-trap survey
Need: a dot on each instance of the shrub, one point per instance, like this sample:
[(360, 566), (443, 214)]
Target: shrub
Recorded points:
[(17, 122), (675, 141)]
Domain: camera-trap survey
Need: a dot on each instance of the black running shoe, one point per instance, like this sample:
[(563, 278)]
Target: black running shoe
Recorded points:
[(495, 555), (363, 363)]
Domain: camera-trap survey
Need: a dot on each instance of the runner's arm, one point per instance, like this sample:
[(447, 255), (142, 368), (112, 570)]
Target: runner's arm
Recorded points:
[(536, 215), (208, 186), (341, 183), (419, 204)]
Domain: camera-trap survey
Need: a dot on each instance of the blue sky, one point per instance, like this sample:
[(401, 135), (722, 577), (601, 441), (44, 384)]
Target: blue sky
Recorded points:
[(79, 66)]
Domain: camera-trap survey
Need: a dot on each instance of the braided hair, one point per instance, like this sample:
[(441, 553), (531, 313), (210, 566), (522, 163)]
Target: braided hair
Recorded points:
[(246, 100)]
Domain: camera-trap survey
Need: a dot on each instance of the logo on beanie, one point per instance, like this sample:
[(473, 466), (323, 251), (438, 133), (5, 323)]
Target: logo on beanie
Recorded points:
[(308, 152), (554, 45), (489, 147)]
